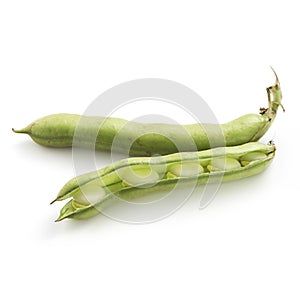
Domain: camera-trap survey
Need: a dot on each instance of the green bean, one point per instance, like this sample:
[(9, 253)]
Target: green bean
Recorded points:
[(140, 139), (134, 177)]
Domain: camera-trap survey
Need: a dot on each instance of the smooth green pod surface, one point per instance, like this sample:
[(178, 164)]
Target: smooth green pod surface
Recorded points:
[(138, 139), (118, 180)]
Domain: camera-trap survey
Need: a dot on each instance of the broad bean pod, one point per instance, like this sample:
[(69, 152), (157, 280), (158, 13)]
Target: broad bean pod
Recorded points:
[(138, 139), (134, 177)]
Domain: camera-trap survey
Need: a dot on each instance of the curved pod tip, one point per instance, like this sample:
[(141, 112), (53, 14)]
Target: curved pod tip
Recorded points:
[(53, 201), (276, 76), (24, 130)]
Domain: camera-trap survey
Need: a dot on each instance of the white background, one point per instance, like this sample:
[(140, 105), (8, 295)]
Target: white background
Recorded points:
[(58, 56)]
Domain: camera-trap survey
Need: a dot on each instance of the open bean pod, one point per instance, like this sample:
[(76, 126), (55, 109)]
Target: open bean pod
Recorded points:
[(135, 177)]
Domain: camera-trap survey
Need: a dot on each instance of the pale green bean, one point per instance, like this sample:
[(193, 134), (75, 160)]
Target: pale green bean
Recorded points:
[(140, 139)]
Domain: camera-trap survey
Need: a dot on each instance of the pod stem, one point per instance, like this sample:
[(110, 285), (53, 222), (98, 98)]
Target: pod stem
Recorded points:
[(274, 98)]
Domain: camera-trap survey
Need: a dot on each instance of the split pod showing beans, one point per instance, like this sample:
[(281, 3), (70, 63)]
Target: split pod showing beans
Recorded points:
[(130, 178), (138, 139)]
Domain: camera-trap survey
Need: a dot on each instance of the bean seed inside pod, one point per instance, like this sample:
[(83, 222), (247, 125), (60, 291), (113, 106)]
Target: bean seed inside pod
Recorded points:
[(252, 156), (89, 193), (186, 169), (138, 175), (223, 164)]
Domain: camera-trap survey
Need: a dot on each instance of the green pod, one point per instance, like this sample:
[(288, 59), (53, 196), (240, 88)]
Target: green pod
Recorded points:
[(160, 173), (139, 139)]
